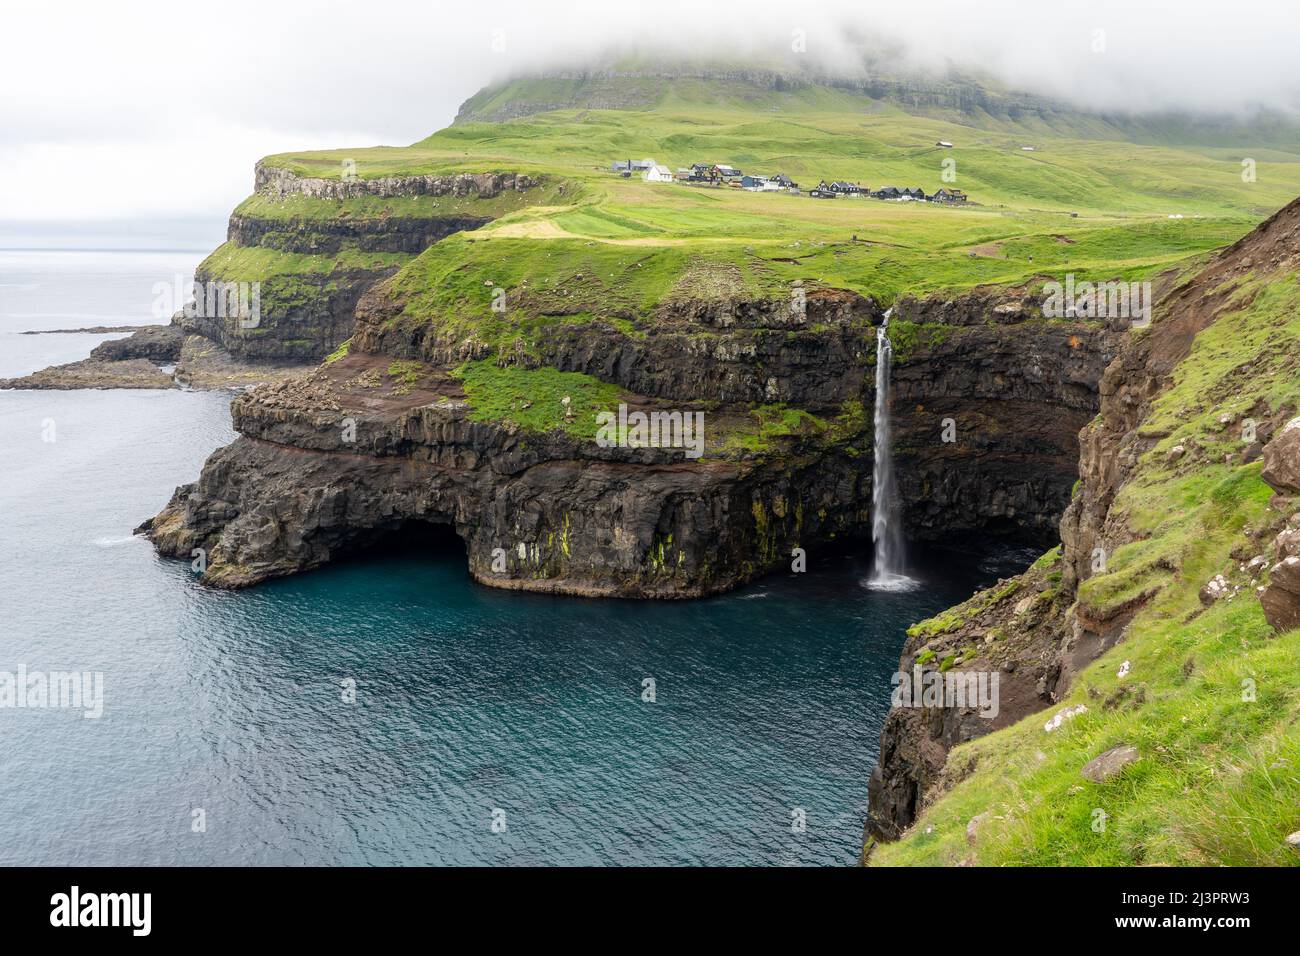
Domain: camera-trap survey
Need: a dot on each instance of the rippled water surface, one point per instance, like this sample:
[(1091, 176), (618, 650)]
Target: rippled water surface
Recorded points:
[(468, 700)]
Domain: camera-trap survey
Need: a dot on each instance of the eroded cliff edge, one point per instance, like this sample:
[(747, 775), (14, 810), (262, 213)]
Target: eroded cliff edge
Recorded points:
[(425, 417), (281, 293)]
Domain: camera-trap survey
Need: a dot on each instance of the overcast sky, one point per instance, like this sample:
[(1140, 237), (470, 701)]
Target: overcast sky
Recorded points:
[(159, 108)]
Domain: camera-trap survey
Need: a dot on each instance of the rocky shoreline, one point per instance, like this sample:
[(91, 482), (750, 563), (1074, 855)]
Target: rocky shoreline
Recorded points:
[(156, 357), (305, 316)]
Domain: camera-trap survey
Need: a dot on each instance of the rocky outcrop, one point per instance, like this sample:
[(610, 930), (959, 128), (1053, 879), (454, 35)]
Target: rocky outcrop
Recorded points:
[(302, 317), (333, 460), (277, 183), (1282, 460), (1104, 766), (404, 234), (1281, 599), (158, 343), (1111, 446), (1009, 630), (980, 306), (93, 373), (734, 351), (613, 521), (129, 362), (305, 315)]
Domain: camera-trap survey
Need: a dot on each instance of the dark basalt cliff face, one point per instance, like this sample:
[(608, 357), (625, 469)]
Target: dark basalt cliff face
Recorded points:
[(306, 315), (731, 351), (986, 420), (557, 512), (543, 513), (409, 234), (1030, 629), (303, 317)]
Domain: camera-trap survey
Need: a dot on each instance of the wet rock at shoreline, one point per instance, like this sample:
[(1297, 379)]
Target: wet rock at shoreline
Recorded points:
[(94, 373)]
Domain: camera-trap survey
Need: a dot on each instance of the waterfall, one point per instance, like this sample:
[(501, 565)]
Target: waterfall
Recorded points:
[(886, 535)]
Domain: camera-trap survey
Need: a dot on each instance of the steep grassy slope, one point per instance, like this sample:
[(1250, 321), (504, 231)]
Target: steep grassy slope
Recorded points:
[(1209, 696)]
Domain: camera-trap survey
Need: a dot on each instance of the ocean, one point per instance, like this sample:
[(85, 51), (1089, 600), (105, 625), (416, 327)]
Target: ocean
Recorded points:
[(388, 710)]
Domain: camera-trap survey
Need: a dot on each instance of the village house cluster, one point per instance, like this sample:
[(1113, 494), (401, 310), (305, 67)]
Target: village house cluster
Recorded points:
[(718, 174)]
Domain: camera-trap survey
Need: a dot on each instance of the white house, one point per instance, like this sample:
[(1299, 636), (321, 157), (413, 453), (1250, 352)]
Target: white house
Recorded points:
[(658, 174), (631, 165), (944, 143)]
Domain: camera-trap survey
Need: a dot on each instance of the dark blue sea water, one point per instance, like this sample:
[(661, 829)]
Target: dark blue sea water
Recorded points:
[(469, 702)]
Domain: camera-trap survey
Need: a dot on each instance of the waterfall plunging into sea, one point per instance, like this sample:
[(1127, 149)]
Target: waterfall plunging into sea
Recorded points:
[(886, 534)]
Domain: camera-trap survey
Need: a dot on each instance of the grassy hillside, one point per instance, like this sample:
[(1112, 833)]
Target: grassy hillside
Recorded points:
[(1218, 780), (1019, 224)]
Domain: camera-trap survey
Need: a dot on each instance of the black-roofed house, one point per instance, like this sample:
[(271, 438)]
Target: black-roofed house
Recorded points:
[(948, 195)]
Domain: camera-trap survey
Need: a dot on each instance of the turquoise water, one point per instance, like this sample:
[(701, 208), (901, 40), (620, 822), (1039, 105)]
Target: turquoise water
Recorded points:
[(468, 700)]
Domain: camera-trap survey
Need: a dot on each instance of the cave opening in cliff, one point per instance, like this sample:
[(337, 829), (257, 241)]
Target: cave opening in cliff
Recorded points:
[(410, 537)]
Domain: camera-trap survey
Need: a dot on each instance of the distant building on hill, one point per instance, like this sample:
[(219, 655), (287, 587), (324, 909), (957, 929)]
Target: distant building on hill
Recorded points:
[(820, 193), (949, 196), (944, 143), (632, 165), (658, 174)]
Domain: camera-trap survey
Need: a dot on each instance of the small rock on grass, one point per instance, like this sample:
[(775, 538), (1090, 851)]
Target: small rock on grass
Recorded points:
[(1061, 717), (1101, 768), (1214, 589)]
